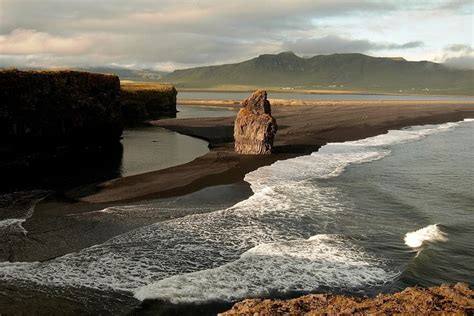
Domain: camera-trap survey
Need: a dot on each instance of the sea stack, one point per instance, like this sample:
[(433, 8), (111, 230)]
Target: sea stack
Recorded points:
[(255, 128)]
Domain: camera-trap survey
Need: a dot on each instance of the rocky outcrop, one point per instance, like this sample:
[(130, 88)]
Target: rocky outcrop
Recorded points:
[(255, 128), (56, 108), (445, 299), (148, 101)]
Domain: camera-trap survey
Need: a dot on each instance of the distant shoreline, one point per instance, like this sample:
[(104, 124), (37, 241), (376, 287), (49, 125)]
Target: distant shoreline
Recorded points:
[(130, 84), (295, 102)]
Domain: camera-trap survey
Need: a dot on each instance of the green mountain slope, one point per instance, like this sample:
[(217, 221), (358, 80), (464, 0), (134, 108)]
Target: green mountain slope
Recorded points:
[(337, 71)]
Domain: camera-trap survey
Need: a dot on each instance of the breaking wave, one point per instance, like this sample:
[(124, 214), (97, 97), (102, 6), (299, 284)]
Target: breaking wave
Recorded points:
[(429, 233)]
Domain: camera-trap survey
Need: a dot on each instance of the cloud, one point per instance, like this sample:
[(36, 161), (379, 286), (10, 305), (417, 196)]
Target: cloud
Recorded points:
[(460, 62), (27, 42), (149, 33), (462, 6), (412, 44), (459, 56), (184, 33), (335, 44), (460, 48)]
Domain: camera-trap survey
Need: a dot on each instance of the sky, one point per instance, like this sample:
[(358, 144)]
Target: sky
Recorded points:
[(166, 35)]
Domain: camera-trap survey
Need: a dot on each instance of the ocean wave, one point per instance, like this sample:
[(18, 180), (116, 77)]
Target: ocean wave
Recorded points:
[(275, 268), (332, 159), (429, 233)]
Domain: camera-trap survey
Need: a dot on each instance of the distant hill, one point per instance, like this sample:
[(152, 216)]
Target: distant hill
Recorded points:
[(129, 74), (338, 71), (143, 75)]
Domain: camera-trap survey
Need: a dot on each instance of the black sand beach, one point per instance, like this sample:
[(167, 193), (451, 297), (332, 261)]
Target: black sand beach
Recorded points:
[(302, 130)]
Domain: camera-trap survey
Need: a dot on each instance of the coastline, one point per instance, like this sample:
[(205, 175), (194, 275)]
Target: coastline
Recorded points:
[(302, 129)]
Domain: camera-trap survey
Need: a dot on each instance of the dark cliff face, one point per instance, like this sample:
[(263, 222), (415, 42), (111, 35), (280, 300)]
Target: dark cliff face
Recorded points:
[(58, 128), (58, 108)]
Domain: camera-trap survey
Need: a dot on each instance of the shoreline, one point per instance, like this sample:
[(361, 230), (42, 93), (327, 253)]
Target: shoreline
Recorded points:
[(309, 91), (233, 104), (303, 129)]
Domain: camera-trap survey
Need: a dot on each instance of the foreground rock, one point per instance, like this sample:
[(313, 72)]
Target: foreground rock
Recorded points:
[(146, 101), (255, 128), (457, 299), (56, 108)]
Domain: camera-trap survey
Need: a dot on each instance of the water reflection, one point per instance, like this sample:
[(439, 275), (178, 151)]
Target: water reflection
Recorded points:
[(62, 169)]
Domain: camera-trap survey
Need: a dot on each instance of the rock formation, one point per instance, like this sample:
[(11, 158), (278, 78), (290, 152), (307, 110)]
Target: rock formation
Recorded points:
[(58, 108), (147, 101), (442, 300), (254, 127)]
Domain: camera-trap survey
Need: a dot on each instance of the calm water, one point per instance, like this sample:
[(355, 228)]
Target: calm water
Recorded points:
[(355, 217), (153, 148), (303, 96)]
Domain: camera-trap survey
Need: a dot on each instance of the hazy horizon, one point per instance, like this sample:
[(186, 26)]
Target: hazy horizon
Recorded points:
[(165, 35)]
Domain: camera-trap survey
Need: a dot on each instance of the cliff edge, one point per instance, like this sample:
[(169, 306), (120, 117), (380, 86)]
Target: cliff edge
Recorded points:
[(56, 108), (145, 101)]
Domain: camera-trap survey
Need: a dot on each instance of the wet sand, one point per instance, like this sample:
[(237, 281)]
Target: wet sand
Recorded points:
[(303, 128)]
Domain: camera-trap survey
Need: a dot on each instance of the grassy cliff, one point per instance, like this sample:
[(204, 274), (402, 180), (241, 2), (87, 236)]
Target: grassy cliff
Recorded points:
[(147, 100)]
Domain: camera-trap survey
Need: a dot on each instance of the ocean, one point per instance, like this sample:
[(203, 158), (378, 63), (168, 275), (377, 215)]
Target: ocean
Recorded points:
[(359, 217)]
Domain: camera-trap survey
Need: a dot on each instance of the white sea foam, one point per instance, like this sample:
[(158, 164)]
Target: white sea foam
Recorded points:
[(429, 233), (14, 224), (276, 268), (17, 207), (257, 246)]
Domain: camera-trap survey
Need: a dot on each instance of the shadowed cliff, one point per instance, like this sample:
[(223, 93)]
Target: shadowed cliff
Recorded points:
[(57, 120)]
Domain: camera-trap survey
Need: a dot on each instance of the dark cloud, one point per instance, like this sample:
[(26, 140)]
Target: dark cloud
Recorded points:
[(413, 44), (336, 44), (459, 56), (460, 48)]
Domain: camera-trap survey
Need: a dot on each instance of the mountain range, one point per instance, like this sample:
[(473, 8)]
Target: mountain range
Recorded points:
[(337, 71)]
